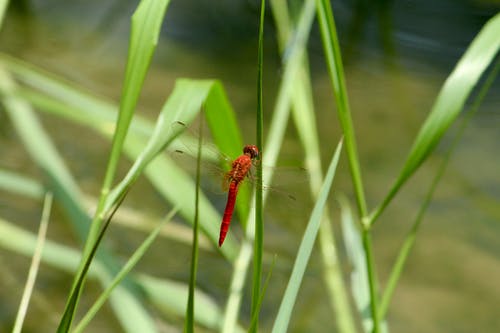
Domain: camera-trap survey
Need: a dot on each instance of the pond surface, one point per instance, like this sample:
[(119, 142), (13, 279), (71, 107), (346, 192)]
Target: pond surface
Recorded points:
[(397, 57)]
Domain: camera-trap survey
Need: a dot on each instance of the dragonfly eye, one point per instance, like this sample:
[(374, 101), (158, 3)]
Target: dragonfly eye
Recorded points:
[(251, 150)]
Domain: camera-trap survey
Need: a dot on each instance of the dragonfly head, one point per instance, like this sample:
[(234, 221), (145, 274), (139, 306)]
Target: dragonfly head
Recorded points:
[(251, 151)]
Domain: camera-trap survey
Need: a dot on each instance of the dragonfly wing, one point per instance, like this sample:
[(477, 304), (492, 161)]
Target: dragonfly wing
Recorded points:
[(226, 180)]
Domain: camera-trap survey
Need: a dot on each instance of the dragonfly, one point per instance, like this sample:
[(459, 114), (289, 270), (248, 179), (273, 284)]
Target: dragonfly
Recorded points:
[(239, 171)]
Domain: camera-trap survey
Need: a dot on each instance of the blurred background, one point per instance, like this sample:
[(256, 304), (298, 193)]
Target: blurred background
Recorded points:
[(397, 55)]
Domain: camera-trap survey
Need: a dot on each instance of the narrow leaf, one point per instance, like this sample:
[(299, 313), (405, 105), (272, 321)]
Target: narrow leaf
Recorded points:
[(450, 101), (305, 249), (35, 263), (129, 265)]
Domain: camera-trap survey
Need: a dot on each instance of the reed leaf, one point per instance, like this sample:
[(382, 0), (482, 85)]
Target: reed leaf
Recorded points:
[(450, 101), (306, 245)]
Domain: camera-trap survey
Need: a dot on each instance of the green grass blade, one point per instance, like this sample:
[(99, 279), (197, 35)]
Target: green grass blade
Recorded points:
[(289, 299), (189, 321), (253, 323), (411, 236), (129, 265), (146, 23), (450, 101), (304, 117), (259, 201), (356, 255), (237, 284), (293, 58), (127, 303), (145, 29), (221, 120), (334, 61), (35, 264)]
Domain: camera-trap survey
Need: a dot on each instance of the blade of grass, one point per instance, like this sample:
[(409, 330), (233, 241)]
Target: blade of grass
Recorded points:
[(450, 101), (253, 323), (292, 62), (306, 245), (73, 300), (35, 263), (129, 265), (372, 278), (356, 254), (304, 117), (411, 236), (189, 320), (145, 29), (146, 23), (259, 204), (237, 283), (357, 258), (334, 61)]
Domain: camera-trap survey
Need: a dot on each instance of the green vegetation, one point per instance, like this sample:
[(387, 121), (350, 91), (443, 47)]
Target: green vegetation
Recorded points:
[(146, 145)]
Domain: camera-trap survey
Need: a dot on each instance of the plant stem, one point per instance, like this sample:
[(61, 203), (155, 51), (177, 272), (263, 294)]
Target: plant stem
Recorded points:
[(189, 322), (259, 220), (367, 245)]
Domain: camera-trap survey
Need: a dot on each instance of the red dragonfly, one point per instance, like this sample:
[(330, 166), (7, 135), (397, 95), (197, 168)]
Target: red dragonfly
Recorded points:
[(239, 170)]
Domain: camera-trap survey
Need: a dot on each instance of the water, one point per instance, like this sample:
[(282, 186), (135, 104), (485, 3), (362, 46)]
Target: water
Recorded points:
[(394, 69)]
